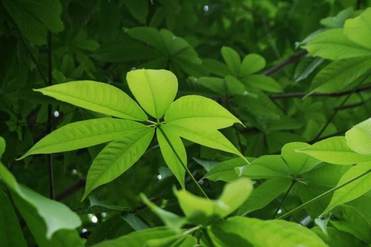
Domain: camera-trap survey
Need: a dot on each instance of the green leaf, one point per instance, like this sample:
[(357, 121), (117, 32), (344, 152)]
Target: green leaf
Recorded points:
[(198, 112), (251, 64), (55, 216), (338, 20), (138, 238), (354, 189), (265, 233), (84, 134), (116, 158), (138, 9), (263, 82), (358, 29), (10, 230), (340, 74), (2, 146), (96, 96), (335, 150), (333, 44), (153, 89), (267, 166), (201, 210), (297, 163), (35, 18), (209, 138), (232, 59), (214, 84), (359, 137), (226, 170), (170, 143), (170, 219), (264, 194)]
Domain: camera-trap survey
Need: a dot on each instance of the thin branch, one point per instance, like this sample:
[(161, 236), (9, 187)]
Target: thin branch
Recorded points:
[(367, 87), (285, 196), (50, 117), (70, 190), (294, 58), (322, 195), (181, 161)]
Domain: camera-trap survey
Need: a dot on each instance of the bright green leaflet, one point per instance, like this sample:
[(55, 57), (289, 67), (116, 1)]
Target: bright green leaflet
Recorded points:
[(201, 210), (251, 64), (333, 44), (55, 215), (170, 219), (354, 189), (297, 163), (199, 112), (335, 150), (153, 89), (2, 146), (117, 157), (359, 137), (267, 166), (359, 29), (167, 150), (267, 233), (84, 134), (262, 82), (96, 96), (232, 59)]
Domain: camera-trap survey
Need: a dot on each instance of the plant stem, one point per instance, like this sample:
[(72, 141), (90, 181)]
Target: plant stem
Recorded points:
[(293, 182), (50, 117), (184, 165), (323, 194)]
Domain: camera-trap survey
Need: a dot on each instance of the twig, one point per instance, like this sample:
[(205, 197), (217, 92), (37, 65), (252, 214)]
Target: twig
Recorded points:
[(50, 117), (285, 196), (70, 190), (323, 194), (367, 87), (294, 58)]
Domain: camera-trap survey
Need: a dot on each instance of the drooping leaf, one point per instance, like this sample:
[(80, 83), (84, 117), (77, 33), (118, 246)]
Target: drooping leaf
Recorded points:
[(359, 137), (96, 96), (333, 44), (197, 112), (232, 59), (173, 152), (358, 29), (297, 162), (335, 150), (354, 189), (116, 158), (201, 210), (84, 134), (266, 233), (251, 64), (36, 209), (153, 89)]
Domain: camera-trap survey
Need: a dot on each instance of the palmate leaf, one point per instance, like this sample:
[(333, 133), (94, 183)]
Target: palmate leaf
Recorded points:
[(46, 218), (201, 210), (170, 143), (198, 112), (84, 134), (153, 89), (96, 96), (264, 233), (359, 137), (117, 157), (354, 189), (335, 150)]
